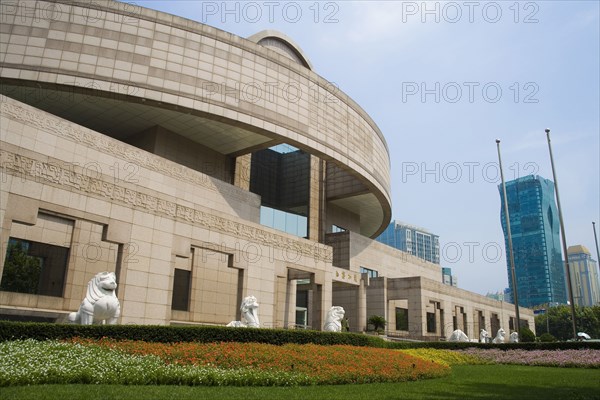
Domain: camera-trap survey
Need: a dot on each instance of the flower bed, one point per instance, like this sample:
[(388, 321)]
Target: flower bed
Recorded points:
[(446, 357), (324, 364), (242, 364), (584, 358)]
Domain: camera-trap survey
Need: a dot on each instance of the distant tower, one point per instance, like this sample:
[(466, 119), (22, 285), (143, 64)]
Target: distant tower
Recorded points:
[(448, 278), (584, 276), (535, 231), (413, 240)]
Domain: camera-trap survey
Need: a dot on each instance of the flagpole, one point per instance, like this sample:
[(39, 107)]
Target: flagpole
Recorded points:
[(596, 240), (564, 239), (510, 246)]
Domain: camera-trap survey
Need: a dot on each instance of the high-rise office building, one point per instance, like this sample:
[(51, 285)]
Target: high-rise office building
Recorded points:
[(499, 295), (536, 243), (448, 278), (584, 276), (413, 240)]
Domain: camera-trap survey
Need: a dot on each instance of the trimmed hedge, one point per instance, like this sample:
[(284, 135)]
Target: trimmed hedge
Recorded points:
[(10, 330), (501, 346)]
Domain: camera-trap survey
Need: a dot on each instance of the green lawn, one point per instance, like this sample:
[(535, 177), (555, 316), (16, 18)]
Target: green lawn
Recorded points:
[(466, 382)]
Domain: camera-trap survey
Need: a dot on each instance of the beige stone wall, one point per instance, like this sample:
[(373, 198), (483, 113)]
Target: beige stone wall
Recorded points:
[(353, 251), (184, 151), (153, 219), (424, 295), (341, 217), (407, 282), (347, 296)]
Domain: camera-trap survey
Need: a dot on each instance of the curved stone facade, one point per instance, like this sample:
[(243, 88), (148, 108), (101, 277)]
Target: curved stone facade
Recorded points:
[(238, 94)]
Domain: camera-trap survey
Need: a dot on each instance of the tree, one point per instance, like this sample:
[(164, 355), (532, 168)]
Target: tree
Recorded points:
[(377, 321), (21, 272), (557, 321)]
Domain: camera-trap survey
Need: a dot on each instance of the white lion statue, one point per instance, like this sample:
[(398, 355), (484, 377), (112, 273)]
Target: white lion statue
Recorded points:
[(499, 336), (458, 336), (249, 311), (100, 304), (483, 336), (333, 323), (513, 338)]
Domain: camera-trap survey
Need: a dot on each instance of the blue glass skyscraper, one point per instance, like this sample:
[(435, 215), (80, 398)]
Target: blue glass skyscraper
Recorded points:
[(535, 232), (413, 240)]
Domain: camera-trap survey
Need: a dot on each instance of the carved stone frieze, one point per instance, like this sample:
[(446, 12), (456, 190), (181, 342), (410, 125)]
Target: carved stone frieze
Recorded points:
[(65, 175), (105, 144)]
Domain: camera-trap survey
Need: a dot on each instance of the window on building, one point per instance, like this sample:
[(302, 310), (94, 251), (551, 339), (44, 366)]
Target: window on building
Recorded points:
[(281, 176), (494, 324), (370, 272), (181, 290), (431, 325), (34, 268), (401, 319), (337, 229), (284, 221)]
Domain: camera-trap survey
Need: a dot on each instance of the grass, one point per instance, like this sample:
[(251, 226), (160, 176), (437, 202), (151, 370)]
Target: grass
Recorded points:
[(465, 382)]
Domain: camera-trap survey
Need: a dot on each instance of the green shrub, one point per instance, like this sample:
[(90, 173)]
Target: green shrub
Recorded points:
[(10, 330), (547, 338), (377, 321), (526, 335)]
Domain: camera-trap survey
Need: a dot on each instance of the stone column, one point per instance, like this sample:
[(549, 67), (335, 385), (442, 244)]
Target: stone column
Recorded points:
[(316, 200), (446, 323), (290, 303), (241, 177), (361, 323)]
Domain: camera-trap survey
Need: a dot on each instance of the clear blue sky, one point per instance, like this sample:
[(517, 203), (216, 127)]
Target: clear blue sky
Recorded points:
[(443, 80)]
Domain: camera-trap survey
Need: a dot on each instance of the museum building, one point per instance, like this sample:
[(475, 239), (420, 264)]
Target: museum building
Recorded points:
[(200, 167)]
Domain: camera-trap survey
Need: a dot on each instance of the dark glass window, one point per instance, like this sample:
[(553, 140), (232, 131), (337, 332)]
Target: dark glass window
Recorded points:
[(181, 290), (371, 273), (34, 268), (281, 176), (431, 325), (401, 319)]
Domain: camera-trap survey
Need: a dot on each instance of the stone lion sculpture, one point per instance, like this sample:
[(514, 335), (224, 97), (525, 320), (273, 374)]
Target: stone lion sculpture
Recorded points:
[(499, 336), (333, 323), (513, 338), (483, 336), (458, 336), (249, 311), (100, 304)]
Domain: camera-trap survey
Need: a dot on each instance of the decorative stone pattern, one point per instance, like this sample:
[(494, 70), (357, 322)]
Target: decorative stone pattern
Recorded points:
[(105, 144), (342, 275), (23, 166)]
